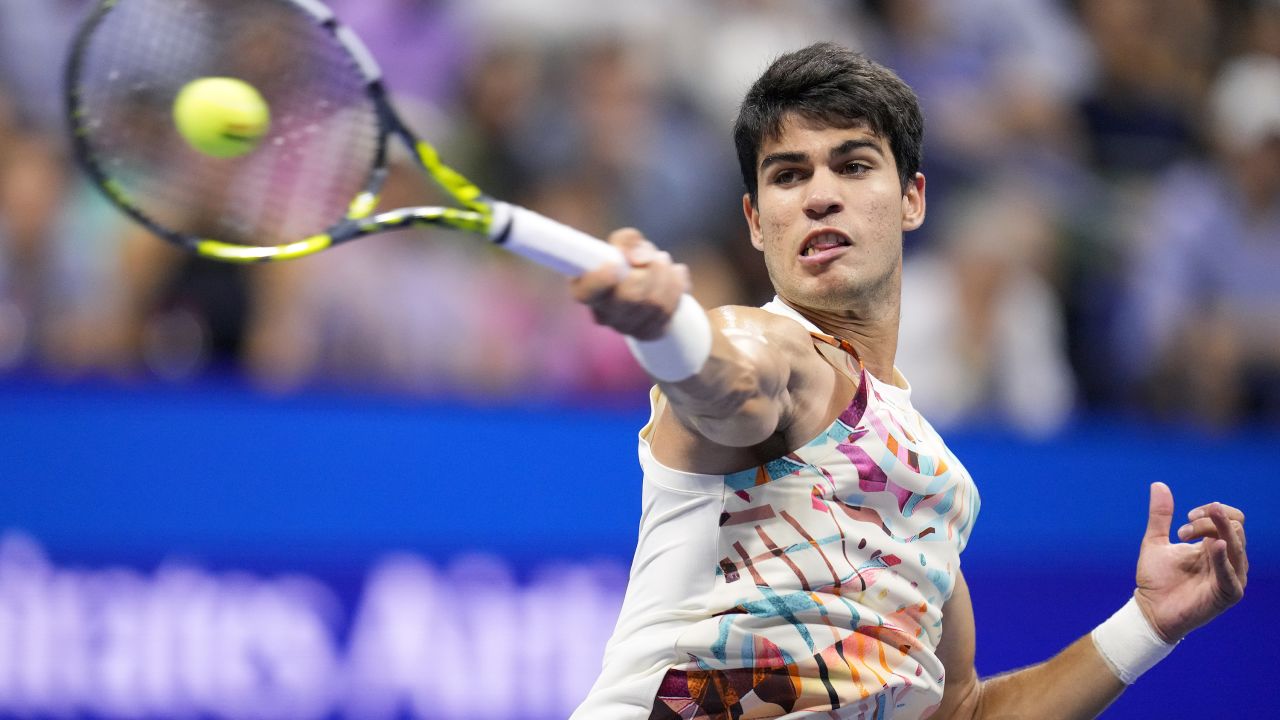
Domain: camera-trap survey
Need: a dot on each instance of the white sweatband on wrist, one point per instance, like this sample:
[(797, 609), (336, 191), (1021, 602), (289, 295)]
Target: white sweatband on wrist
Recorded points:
[(1128, 643), (683, 348)]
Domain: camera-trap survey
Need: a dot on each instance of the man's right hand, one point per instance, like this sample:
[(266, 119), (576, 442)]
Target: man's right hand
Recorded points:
[(638, 300)]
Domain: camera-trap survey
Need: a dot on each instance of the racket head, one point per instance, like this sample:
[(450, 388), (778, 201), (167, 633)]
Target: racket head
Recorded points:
[(313, 179)]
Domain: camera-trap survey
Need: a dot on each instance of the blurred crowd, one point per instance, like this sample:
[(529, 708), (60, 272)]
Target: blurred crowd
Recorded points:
[(1104, 186)]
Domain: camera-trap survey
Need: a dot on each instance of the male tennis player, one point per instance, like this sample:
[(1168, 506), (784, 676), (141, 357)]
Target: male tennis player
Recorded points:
[(802, 526)]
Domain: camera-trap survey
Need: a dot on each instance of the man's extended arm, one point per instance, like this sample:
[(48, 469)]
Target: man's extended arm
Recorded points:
[(1181, 586), (742, 394)]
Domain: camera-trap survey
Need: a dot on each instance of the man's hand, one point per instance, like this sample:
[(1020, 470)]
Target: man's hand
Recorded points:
[(641, 303), (1182, 586)]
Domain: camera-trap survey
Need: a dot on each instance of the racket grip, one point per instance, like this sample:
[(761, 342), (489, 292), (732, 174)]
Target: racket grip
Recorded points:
[(685, 344), (566, 250)]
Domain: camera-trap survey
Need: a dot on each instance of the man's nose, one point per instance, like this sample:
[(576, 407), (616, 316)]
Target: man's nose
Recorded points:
[(822, 200)]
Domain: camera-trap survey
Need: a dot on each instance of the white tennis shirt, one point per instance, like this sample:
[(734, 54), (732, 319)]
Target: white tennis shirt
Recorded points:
[(810, 584)]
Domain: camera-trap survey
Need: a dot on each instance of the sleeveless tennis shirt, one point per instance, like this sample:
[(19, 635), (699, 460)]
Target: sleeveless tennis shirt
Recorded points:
[(810, 584)]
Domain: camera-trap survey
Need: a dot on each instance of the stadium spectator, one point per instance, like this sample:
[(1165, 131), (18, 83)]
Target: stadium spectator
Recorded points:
[(1202, 328)]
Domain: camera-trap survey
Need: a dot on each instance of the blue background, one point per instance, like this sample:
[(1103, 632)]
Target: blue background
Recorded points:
[(324, 484)]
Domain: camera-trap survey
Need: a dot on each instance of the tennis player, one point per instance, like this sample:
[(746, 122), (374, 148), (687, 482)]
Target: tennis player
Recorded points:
[(802, 525)]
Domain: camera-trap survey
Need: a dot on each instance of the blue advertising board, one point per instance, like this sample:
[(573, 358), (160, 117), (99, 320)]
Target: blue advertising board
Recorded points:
[(206, 551)]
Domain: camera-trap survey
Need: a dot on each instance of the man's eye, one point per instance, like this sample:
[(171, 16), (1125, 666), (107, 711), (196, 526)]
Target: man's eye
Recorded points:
[(856, 168), (786, 177)]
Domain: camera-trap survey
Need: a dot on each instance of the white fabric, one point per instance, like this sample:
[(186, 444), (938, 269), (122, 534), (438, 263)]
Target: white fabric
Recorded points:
[(696, 603), (668, 588), (1129, 644)]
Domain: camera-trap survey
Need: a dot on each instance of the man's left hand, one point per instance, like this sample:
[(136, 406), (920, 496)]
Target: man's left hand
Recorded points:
[(1184, 585)]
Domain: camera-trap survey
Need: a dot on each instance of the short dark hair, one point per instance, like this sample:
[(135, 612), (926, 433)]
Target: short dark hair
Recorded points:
[(835, 86)]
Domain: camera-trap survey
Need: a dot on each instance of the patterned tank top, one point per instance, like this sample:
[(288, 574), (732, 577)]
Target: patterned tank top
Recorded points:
[(810, 584)]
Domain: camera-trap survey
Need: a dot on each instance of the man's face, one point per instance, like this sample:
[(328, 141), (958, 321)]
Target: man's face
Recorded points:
[(830, 214)]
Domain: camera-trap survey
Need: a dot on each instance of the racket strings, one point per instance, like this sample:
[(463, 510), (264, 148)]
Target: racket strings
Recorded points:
[(304, 173)]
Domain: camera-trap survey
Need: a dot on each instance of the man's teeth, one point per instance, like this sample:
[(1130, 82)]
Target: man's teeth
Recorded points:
[(824, 242)]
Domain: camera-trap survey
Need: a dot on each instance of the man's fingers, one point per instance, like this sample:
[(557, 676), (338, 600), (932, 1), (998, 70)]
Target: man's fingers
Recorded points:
[(1203, 528), (641, 283), (1221, 522), (641, 304), (626, 238), (596, 285), (1203, 512), (1159, 513), (1229, 587), (1227, 532), (1241, 538), (643, 253), (635, 247), (666, 289), (640, 298), (612, 282)]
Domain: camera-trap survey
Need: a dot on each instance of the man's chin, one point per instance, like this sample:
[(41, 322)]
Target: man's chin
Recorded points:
[(839, 294)]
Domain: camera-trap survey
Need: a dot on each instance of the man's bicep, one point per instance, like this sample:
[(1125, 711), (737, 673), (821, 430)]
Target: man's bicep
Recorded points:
[(956, 650)]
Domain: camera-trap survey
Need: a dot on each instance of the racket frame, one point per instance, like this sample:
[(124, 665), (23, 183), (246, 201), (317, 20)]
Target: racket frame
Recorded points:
[(678, 353), (476, 214)]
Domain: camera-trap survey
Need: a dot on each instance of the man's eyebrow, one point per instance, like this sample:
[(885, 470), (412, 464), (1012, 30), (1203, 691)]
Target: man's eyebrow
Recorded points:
[(843, 148), (783, 157), (849, 146)]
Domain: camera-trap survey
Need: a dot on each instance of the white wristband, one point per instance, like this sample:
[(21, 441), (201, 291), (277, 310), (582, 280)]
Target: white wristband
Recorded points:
[(682, 350), (1128, 643)]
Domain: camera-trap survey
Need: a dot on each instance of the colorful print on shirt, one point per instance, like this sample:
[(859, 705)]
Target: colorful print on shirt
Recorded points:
[(835, 561)]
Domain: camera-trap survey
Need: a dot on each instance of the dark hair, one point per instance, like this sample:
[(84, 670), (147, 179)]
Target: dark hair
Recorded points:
[(838, 87)]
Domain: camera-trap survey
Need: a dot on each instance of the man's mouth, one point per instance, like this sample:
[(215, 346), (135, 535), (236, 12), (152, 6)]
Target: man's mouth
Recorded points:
[(820, 242)]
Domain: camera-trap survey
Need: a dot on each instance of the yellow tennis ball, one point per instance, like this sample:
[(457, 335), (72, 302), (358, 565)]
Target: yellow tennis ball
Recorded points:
[(220, 116)]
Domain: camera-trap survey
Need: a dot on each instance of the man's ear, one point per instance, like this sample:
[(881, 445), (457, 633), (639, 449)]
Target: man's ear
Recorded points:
[(913, 204), (753, 221)]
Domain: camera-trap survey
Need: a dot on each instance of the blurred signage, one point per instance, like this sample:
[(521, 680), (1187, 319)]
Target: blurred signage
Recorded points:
[(461, 639)]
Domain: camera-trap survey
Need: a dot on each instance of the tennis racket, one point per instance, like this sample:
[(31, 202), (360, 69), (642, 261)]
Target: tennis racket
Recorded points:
[(314, 180)]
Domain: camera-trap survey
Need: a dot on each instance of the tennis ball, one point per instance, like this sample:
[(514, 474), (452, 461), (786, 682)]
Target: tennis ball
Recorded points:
[(221, 116)]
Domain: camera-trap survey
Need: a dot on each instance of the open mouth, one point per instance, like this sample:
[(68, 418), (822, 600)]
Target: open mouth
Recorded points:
[(821, 242)]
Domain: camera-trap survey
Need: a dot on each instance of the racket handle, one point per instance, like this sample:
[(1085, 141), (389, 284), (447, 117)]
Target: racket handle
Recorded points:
[(685, 344)]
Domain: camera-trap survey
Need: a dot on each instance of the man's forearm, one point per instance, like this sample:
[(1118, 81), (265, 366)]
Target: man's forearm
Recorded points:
[(1074, 684)]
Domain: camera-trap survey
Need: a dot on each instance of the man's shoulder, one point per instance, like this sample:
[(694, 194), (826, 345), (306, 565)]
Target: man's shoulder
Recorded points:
[(761, 328), (772, 325)]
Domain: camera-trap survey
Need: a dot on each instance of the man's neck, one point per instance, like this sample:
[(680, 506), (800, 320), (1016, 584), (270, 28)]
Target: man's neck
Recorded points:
[(874, 335)]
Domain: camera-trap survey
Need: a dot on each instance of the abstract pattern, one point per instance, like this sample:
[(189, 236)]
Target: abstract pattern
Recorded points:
[(835, 561)]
